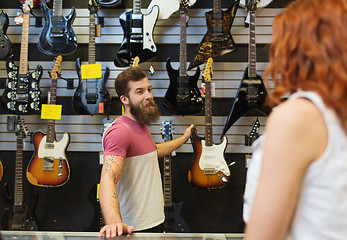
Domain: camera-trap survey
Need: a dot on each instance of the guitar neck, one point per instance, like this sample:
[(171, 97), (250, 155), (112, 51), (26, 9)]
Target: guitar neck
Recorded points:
[(51, 122), (167, 181), (57, 9), (208, 114), (18, 185), (91, 44), (137, 6), (217, 10), (252, 57), (183, 44), (23, 63)]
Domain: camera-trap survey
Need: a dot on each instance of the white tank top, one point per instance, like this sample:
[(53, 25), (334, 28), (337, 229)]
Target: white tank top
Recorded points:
[(322, 205)]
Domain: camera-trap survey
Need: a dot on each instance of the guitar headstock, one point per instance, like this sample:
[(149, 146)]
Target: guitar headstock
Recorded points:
[(22, 130), (56, 70), (208, 71), (135, 62), (167, 131), (254, 133), (27, 5), (93, 6)]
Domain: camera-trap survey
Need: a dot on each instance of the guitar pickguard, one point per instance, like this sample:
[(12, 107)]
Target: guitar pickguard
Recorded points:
[(212, 158), (22, 95), (54, 150)]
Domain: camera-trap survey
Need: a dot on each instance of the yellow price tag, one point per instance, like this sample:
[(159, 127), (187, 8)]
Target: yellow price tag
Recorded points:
[(51, 111), (91, 71)]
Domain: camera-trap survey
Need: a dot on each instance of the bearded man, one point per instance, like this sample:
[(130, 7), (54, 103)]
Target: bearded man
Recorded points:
[(131, 195)]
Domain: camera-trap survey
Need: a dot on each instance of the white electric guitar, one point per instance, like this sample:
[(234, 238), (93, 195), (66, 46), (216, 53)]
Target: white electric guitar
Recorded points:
[(167, 8)]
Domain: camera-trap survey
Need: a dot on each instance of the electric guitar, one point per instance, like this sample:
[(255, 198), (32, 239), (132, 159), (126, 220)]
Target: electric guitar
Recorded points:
[(48, 166), (138, 35), (173, 219), (19, 217), (91, 96), (5, 43), (167, 8), (218, 40), (209, 169), (183, 96), (57, 36), (22, 95), (252, 92)]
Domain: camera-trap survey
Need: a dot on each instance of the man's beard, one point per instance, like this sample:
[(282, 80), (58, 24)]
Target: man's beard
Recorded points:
[(146, 113)]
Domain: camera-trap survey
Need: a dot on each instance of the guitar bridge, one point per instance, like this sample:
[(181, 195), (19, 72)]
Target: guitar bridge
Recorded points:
[(48, 164), (209, 171), (60, 168)]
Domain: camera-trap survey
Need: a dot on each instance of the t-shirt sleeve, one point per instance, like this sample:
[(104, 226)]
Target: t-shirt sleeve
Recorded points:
[(116, 141)]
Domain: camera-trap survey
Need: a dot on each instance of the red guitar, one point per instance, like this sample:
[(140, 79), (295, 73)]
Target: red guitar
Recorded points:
[(49, 167)]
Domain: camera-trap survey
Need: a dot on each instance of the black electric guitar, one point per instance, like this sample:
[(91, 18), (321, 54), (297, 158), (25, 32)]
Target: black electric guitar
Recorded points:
[(57, 36), (173, 219), (22, 95), (49, 167), (252, 92), (138, 35), (209, 169), (20, 218), (218, 40), (5, 43), (183, 96), (91, 96)]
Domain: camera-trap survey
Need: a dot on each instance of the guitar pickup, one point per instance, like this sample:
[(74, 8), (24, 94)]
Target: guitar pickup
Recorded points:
[(22, 97), (48, 164), (209, 171)]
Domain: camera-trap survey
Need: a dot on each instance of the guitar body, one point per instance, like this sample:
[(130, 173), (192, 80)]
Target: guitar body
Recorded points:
[(22, 95), (167, 8), (216, 43), (194, 103), (21, 217), (5, 43), (57, 37), (174, 223), (209, 169), (91, 96), (48, 167), (251, 94), (138, 37)]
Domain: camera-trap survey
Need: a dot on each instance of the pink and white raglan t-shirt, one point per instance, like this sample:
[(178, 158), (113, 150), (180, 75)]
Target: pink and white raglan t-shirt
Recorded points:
[(139, 187)]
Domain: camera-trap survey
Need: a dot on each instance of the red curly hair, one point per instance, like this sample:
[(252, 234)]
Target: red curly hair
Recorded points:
[(309, 52)]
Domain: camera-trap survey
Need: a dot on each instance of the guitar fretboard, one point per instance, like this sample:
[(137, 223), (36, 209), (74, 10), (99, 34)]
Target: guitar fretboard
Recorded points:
[(23, 63), (217, 10), (208, 114), (137, 6), (167, 181), (51, 122), (91, 44), (18, 185), (183, 43), (252, 58), (57, 10)]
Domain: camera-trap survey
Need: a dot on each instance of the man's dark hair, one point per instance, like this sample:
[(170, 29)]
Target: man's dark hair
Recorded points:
[(129, 74)]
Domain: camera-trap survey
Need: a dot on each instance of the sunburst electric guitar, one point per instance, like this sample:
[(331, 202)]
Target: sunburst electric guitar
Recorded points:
[(209, 169), (49, 167)]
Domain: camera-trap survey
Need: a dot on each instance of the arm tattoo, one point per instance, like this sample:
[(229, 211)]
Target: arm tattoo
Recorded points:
[(113, 167)]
